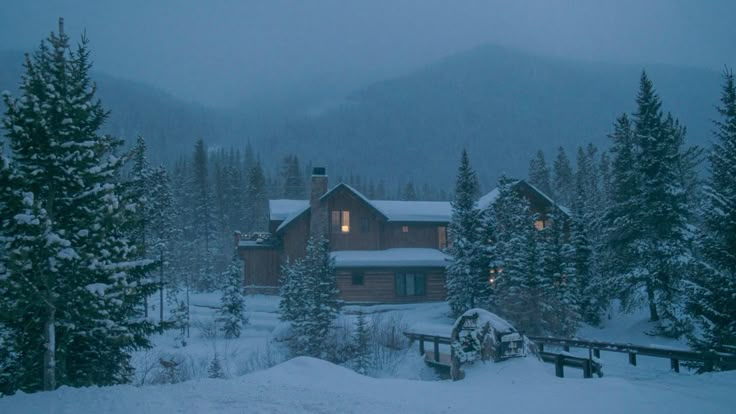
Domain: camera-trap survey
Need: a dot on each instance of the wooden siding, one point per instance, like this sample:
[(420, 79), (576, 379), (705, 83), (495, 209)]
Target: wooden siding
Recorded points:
[(378, 286), (421, 235), (294, 240), (261, 266), (356, 239)]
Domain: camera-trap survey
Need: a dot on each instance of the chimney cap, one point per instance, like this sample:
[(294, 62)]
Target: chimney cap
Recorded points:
[(319, 171)]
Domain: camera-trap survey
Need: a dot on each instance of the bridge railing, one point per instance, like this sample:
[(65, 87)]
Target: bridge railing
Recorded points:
[(709, 360), (674, 355)]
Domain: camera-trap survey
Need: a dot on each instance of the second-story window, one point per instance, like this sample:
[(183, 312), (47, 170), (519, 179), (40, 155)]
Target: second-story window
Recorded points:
[(340, 221)]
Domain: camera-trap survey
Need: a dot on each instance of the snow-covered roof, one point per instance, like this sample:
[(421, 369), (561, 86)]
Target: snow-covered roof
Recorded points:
[(287, 211), (401, 257), (281, 209), (439, 211), (292, 216), (496, 322), (492, 196), (488, 199)]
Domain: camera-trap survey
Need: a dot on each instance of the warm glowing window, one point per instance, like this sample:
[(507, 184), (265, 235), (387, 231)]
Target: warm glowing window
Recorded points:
[(493, 275), (341, 221), (442, 236), (404, 229), (539, 224)]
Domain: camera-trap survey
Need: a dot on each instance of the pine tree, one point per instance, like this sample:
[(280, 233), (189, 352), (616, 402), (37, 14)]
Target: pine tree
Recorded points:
[(563, 180), (664, 214), (467, 275), (409, 193), (203, 220), (72, 274), (293, 179), (518, 288), (312, 310), (214, 370), (161, 221), (539, 175), (713, 297), (256, 206), (361, 341), (232, 312), (561, 317)]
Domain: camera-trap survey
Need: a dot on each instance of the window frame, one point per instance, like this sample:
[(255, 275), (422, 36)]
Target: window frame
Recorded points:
[(416, 279), (340, 221), (357, 276)]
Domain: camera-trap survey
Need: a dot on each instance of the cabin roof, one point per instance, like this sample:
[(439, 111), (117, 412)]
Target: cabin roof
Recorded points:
[(281, 209), (491, 197), (399, 257)]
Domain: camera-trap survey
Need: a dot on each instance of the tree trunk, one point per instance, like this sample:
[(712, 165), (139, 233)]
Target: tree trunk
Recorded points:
[(49, 356), (653, 315), (161, 290)]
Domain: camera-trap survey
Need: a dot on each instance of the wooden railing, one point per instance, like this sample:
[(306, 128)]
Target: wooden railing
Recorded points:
[(674, 355), (588, 365)]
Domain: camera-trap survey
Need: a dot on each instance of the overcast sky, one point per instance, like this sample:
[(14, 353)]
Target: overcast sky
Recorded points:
[(221, 51)]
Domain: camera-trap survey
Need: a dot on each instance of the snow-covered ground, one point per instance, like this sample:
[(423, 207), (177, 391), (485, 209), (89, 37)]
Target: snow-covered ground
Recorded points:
[(403, 384), (306, 385)]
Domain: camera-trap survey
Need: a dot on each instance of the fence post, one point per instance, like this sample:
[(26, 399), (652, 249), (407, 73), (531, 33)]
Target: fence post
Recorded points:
[(559, 366), (541, 347), (632, 358), (675, 364), (596, 352), (587, 369), (436, 349), (421, 345)]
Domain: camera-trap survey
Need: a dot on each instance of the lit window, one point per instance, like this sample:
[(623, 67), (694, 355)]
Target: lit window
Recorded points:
[(341, 221), (442, 236), (404, 229), (493, 275), (539, 224)]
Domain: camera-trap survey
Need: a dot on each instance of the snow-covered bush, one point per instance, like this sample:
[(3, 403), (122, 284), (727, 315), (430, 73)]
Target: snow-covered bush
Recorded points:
[(232, 312)]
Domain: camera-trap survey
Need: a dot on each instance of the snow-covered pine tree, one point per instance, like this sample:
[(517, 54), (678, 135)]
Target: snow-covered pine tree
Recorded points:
[(518, 288), (72, 274), (561, 317), (361, 343), (232, 311), (309, 299), (204, 221), (563, 179), (663, 215), (161, 231), (539, 174), (292, 305), (713, 298), (467, 275), (214, 370)]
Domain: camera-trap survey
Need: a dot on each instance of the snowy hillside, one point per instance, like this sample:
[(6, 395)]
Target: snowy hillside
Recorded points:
[(306, 385)]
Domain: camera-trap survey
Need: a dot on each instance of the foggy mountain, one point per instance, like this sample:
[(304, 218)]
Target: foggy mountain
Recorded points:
[(499, 103), (170, 125)]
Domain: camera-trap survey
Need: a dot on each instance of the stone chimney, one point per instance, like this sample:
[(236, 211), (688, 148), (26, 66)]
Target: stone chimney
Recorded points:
[(318, 209)]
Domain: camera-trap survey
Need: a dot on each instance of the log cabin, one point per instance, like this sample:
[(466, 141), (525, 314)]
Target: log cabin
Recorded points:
[(384, 251)]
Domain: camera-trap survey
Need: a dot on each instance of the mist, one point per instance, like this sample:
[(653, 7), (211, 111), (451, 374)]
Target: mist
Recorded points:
[(226, 53)]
